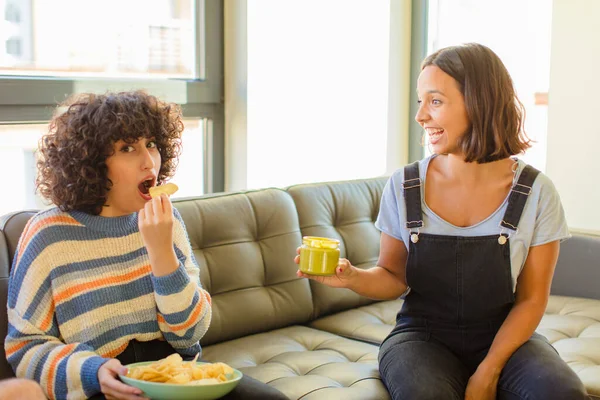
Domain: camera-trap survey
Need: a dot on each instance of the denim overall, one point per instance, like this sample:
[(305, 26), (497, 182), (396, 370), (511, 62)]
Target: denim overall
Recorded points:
[(460, 294)]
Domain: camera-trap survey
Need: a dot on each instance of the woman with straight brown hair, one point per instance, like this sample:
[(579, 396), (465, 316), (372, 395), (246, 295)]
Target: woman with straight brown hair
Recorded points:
[(470, 236)]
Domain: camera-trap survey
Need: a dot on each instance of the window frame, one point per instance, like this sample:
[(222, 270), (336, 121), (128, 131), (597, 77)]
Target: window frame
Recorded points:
[(28, 99), (419, 29)]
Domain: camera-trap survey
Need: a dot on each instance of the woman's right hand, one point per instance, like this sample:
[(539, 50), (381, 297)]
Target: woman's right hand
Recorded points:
[(112, 387), (345, 273)]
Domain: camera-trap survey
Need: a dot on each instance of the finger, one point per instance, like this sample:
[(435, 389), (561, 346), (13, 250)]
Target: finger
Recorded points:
[(343, 266), (115, 367), (141, 217), (300, 274), (167, 205), (118, 389), (157, 207), (148, 211), (298, 250), (297, 259)]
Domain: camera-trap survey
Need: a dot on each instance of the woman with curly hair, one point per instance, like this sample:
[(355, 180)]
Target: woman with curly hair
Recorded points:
[(107, 277)]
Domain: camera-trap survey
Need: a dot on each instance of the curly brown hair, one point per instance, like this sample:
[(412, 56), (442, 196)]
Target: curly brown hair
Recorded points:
[(72, 171), (496, 114)]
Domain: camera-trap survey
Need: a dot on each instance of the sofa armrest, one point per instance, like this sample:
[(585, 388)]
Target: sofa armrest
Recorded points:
[(5, 369), (578, 269)]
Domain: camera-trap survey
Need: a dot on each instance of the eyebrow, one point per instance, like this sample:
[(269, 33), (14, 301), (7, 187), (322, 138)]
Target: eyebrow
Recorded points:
[(433, 91)]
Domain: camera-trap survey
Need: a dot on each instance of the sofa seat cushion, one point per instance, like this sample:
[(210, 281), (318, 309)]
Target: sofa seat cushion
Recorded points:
[(305, 363), (571, 324), (371, 323)]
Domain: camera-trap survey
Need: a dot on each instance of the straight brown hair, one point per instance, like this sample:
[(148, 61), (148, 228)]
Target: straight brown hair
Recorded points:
[(494, 110)]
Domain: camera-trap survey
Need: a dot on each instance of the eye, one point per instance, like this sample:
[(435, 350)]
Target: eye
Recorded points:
[(127, 148), (151, 144), (436, 102), (419, 102)]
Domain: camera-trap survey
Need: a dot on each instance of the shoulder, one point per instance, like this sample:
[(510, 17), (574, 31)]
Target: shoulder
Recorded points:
[(544, 203), (398, 176), (543, 188), (49, 218), (543, 183), (39, 226)]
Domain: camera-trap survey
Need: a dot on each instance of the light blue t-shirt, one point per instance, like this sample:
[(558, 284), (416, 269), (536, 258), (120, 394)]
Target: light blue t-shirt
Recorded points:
[(543, 219)]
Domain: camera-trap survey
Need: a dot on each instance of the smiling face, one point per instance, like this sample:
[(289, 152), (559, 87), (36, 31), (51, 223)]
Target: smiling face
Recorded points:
[(132, 168), (442, 112)]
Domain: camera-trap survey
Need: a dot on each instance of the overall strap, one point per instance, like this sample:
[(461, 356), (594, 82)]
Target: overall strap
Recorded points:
[(518, 197), (412, 196)]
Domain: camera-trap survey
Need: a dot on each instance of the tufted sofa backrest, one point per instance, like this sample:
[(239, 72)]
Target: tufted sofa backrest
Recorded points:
[(245, 244), (346, 211)]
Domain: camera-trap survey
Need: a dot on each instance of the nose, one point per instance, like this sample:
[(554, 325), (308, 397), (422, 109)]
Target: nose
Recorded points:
[(421, 115), (147, 159)]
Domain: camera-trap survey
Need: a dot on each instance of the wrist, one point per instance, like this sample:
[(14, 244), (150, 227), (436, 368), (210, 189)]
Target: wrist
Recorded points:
[(353, 277), (490, 367), (163, 262)]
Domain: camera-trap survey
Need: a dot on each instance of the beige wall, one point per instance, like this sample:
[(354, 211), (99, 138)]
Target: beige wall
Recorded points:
[(573, 160)]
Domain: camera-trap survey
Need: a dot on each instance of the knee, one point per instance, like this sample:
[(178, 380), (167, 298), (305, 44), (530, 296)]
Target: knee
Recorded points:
[(402, 385), (571, 392), (17, 388)]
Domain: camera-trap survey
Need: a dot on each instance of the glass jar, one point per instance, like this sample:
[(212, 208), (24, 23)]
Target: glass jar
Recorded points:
[(319, 256)]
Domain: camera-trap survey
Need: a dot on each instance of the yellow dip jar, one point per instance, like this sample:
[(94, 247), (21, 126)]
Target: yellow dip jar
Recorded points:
[(319, 256)]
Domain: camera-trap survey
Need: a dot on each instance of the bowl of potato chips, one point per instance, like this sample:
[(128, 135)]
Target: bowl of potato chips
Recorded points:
[(174, 379)]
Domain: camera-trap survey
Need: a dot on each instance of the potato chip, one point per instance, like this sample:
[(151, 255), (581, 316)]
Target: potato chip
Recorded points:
[(174, 370), (168, 189)]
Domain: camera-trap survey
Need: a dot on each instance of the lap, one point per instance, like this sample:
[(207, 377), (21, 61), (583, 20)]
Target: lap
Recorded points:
[(248, 389), (252, 389), (413, 367)]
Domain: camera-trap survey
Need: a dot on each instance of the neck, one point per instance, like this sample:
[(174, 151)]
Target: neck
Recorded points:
[(456, 168)]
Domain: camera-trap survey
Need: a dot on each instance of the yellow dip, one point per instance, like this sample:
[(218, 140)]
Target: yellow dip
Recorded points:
[(319, 256)]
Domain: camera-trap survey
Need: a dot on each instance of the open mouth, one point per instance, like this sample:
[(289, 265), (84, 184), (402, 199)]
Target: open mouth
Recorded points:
[(434, 134), (145, 186)]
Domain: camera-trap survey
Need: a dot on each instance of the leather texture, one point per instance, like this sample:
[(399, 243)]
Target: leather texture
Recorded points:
[(306, 363), (4, 267), (346, 211), (307, 340), (577, 273), (244, 244)]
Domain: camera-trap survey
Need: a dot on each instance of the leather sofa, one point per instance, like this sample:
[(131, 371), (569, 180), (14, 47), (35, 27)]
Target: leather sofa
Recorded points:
[(308, 340)]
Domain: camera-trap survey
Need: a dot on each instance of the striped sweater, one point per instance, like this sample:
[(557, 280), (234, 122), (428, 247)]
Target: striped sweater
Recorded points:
[(81, 288)]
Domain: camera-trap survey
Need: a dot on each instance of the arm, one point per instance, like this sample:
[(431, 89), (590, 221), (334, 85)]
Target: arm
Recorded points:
[(533, 290), (184, 307), (33, 345), (387, 280)]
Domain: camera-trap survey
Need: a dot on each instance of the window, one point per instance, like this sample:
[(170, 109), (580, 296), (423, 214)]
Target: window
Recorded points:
[(18, 145), (100, 39), (172, 48), (317, 90), (518, 31)]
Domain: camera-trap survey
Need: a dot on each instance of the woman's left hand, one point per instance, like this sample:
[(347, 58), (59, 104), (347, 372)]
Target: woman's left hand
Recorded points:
[(482, 385), (155, 222)]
